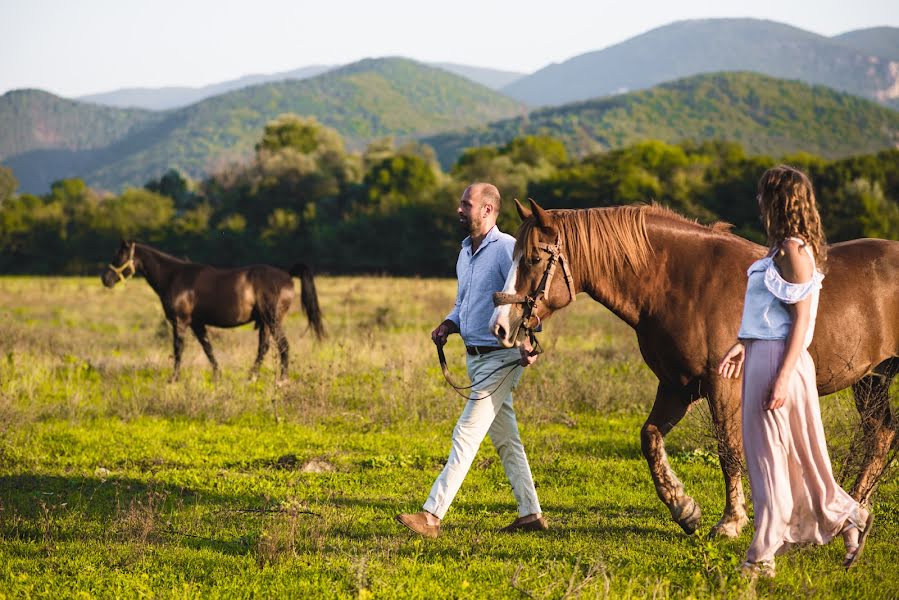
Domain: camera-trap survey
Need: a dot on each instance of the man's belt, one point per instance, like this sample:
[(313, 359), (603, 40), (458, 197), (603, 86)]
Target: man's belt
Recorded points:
[(478, 350)]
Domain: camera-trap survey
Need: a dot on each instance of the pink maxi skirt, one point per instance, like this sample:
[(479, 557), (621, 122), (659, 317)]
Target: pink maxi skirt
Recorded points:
[(794, 495)]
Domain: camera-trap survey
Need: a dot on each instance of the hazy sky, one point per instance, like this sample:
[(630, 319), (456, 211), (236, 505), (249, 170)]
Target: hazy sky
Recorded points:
[(74, 47)]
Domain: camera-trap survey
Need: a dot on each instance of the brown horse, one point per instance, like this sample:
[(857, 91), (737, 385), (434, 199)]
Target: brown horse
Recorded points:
[(680, 286), (195, 295)]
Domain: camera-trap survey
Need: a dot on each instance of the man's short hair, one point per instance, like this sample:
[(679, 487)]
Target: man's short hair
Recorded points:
[(488, 194)]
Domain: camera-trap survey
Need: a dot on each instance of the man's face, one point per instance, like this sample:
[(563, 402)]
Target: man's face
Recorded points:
[(471, 212)]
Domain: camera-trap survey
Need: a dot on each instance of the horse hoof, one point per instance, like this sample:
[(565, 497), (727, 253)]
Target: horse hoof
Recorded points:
[(729, 527), (687, 514)]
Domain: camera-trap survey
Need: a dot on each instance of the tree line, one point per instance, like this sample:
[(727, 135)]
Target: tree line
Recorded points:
[(391, 208)]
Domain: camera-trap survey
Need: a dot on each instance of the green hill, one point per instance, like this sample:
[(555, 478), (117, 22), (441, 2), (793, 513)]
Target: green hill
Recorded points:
[(35, 120), (764, 114), (363, 101), (688, 48)]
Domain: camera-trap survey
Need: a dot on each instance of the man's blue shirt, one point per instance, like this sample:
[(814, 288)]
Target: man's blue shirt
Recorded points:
[(480, 275)]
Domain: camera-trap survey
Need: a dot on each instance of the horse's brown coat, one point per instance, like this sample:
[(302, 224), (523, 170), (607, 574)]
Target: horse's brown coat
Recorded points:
[(195, 296), (680, 286)]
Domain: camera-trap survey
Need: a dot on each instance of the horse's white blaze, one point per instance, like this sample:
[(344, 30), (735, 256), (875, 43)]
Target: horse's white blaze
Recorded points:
[(500, 317)]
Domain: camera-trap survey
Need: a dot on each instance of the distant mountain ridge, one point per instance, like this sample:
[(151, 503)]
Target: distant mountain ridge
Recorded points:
[(687, 48), (763, 114), (165, 98), (877, 41), (363, 101)]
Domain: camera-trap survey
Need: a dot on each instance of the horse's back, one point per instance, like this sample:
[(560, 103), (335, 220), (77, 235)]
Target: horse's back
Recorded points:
[(228, 297)]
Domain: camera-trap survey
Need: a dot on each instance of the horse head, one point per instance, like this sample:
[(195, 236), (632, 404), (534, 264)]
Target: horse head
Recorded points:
[(123, 265), (539, 282)]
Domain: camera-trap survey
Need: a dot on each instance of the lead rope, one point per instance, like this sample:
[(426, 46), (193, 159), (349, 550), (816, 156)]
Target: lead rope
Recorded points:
[(538, 349)]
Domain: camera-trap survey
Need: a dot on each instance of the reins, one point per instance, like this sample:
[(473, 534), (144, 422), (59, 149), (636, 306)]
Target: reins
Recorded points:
[(128, 263), (441, 356)]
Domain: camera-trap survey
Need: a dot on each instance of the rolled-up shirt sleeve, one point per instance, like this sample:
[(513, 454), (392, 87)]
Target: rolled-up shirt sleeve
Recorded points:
[(454, 314)]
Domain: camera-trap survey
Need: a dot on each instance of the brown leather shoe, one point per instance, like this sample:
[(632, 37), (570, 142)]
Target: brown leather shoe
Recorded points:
[(418, 522), (521, 524)]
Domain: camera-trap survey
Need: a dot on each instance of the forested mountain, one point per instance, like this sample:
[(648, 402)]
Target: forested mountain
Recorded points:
[(36, 120), (363, 101), (877, 41), (763, 114), (688, 48), (164, 98)]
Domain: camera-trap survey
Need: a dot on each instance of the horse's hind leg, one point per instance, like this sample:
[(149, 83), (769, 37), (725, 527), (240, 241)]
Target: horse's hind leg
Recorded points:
[(202, 335), (725, 406), (669, 408), (872, 398), (263, 347), (283, 348)]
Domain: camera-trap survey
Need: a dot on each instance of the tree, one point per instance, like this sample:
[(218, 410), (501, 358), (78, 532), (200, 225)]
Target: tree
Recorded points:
[(8, 184)]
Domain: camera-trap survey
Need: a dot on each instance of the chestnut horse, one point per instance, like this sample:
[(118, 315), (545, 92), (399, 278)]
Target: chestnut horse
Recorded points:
[(195, 295), (680, 286)]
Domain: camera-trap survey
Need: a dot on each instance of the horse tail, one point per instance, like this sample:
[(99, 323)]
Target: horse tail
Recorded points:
[(308, 298)]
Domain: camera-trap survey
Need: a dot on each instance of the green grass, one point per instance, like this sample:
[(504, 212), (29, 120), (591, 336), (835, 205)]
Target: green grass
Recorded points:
[(115, 483)]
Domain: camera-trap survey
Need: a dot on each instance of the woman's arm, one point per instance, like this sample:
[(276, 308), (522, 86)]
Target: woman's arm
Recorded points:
[(795, 267)]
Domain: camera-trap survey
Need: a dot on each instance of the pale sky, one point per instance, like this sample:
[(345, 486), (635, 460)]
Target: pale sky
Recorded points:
[(76, 47)]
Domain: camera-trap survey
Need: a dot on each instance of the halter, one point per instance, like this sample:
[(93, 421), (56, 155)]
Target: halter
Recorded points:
[(128, 263), (530, 301)]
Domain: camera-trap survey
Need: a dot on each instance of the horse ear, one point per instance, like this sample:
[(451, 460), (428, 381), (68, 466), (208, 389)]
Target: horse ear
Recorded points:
[(544, 221), (523, 212)]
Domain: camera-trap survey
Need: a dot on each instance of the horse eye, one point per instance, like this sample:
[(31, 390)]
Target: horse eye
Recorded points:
[(533, 260)]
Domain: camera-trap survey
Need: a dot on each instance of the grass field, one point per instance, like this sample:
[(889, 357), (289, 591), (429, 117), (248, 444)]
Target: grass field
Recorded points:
[(116, 483)]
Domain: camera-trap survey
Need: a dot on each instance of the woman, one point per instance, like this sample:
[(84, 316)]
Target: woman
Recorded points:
[(795, 496)]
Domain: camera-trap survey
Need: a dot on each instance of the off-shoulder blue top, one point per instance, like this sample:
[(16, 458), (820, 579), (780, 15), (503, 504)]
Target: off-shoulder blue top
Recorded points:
[(765, 315)]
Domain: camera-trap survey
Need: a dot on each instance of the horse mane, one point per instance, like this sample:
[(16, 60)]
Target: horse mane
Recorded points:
[(164, 255), (623, 226)]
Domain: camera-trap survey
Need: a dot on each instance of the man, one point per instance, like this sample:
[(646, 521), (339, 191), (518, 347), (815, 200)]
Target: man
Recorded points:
[(484, 262)]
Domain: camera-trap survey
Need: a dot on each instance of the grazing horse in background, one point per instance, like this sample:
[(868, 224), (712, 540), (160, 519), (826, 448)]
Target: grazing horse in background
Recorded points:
[(680, 286), (195, 295)]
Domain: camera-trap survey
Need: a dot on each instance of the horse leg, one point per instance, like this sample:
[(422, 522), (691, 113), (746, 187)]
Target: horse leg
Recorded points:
[(669, 408), (872, 398), (727, 419), (283, 349), (178, 329), (202, 336), (262, 324)]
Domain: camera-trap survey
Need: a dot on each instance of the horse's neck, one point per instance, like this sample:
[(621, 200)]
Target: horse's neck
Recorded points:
[(156, 267), (618, 292), (628, 293)]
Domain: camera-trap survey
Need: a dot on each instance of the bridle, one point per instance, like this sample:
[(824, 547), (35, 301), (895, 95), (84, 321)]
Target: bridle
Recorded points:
[(125, 265), (530, 301)]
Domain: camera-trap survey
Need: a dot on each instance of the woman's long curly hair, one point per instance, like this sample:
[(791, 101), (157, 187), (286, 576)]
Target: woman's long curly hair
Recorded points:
[(788, 206)]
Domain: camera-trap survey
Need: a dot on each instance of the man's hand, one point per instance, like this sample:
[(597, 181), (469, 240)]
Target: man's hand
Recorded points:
[(527, 358), (439, 335)]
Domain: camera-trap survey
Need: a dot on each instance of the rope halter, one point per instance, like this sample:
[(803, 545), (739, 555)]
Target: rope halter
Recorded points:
[(125, 265)]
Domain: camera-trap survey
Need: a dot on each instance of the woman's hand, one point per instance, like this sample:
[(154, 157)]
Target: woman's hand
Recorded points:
[(732, 363), (778, 393)]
